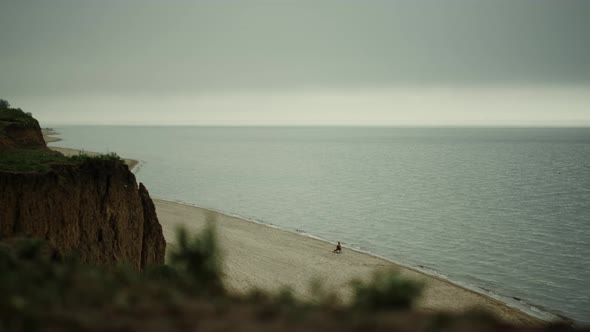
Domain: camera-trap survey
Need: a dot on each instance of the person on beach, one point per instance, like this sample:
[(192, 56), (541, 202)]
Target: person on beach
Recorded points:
[(338, 249)]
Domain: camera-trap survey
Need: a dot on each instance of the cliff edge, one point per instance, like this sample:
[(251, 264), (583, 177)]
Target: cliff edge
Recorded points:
[(89, 206), (19, 130)]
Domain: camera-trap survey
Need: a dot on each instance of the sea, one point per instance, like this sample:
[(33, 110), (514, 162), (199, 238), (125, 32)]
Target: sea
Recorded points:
[(503, 211)]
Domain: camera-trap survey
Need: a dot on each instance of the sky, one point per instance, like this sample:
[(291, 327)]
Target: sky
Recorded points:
[(281, 62)]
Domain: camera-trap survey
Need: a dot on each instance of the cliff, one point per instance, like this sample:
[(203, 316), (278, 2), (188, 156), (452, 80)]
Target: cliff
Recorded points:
[(19, 130), (93, 209), (17, 136), (89, 206)]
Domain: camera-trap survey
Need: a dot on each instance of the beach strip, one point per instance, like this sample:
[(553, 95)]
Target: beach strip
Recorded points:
[(49, 135), (264, 257)]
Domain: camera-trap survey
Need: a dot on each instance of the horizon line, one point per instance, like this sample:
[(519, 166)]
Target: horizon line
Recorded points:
[(483, 126)]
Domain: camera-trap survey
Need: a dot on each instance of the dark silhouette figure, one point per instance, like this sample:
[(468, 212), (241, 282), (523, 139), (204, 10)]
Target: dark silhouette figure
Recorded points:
[(338, 249)]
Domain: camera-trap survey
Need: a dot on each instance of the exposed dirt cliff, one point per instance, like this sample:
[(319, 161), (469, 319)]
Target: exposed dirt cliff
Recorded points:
[(153, 244), (19, 130), (18, 136), (90, 206), (93, 209)]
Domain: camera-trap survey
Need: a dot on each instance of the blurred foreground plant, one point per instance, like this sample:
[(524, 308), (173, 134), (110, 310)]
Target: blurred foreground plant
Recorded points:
[(199, 258), (386, 290)]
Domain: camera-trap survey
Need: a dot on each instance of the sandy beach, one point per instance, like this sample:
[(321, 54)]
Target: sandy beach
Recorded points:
[(260, 256), (49, 135)]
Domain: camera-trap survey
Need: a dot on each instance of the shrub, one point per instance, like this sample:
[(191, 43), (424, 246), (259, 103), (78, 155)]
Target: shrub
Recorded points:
[(199, 258), (28, 160), (386, 290), (84, 157), (39, 159), (322, 296), (161, 273), (18, 116), (4, 104)]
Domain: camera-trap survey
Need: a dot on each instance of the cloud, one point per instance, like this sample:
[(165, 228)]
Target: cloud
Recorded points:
[(137, 46)]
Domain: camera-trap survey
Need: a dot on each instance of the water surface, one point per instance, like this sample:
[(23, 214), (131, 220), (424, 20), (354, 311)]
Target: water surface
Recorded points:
[(505, 211)]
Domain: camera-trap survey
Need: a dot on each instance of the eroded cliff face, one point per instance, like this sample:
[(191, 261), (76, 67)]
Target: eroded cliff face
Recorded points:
[(15, 135), (153, 244), (94, 209)]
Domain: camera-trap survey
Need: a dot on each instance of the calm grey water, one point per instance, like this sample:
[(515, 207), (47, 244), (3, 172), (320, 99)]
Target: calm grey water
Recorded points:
[(504, 211)]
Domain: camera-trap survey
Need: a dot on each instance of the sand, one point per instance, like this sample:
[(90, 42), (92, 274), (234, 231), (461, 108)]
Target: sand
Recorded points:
[(48, 135), (260, 256)]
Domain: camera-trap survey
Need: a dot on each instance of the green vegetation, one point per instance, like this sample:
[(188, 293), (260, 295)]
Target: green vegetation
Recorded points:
[(39, 286), (38, 160), (15, 116), (35, 159), (198, 258), (82, 157), (387, 290), (36, 286), (4, 104), (41, 289), (29, 160)]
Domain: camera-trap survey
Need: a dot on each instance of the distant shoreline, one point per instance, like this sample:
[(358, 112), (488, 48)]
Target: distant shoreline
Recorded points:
[(49, 138), (48, 135), (266, 257)]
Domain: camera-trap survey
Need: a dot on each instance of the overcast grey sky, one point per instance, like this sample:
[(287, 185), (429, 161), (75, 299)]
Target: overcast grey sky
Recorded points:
[(298, 62)]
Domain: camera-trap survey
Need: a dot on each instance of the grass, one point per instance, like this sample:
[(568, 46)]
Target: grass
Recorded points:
[(43, 290), (83, 157), (34, 284), (29, 160), (39, 160), (36, 281), (198, 258), (386, 290), (18, 116), (36, 160)]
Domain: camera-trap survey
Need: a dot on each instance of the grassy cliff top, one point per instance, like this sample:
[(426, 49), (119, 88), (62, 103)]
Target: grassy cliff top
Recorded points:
[(18, 116), (22, 148), (40, 160)]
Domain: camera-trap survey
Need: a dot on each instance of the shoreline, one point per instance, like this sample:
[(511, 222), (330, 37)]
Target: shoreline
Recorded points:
[(455, 297), (48, 136), (259, 245), (535, 312)]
